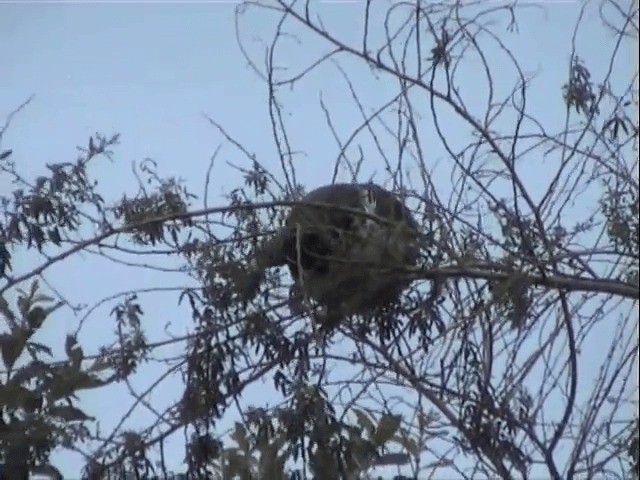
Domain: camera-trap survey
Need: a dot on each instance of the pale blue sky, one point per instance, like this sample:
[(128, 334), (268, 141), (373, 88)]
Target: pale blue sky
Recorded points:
[(148, 71)]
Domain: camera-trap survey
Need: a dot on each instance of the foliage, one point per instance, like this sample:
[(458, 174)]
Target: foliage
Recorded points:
[(479, 371), (39, 410)]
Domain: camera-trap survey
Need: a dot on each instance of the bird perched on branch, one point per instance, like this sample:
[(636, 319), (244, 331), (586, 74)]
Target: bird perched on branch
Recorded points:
[(345, 246)]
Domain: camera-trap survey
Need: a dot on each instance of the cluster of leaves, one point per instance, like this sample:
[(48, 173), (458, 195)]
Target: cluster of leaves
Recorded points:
[(620, 207), (38, 397), (132, 342), (38, 402), (37, 393), (153, 215), (268, 443), (620, 198), (245, 330), (51, 207), (579, 92)]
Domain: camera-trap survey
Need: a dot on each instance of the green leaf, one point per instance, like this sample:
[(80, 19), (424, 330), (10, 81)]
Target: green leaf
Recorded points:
[(409, 444), (237, 466), (33, 369), (69, 413), (8, 314), (239, 436), (68, 380), (12, 346), (270, 465), (74, 351), (54, 236), (36, 317), (42, 298), (34, 288), (16, 396), (387, 428), (36, 347), (364, 420)]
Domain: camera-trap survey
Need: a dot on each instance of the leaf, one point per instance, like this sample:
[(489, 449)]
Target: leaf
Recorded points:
[(41, 298), (5, 154), (67, 380), (364, 420), (39, 348), (15, 396), (73, 350), (12, 346), (35, 318), (270, 464), (387, 428), (5, 260), (33, 369), (34, 288), (239, 436), (8, 314), (23, 304), (237, 465), (409, 444), (54, 236), (69, 413)]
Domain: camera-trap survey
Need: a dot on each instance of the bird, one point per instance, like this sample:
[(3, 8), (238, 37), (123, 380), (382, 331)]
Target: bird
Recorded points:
[(347, 247)]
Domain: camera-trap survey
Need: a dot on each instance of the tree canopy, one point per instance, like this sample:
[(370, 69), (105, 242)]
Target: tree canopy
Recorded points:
[(511, 354)]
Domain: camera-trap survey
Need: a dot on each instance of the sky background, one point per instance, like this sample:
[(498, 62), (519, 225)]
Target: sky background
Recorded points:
[(150, 71)]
